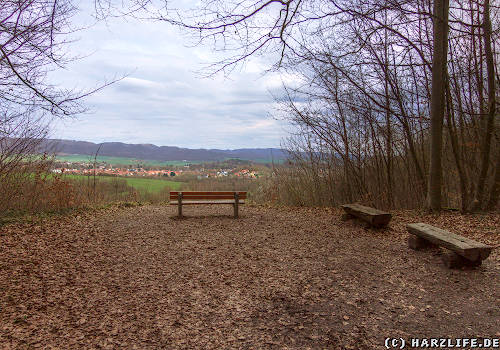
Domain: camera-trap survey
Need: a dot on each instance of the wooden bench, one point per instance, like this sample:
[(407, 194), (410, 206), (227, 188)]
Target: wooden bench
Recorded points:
[(234, 198), (373, 217), (461, 251)]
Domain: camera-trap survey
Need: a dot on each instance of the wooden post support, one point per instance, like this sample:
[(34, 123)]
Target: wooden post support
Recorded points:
[(236, 203), (455, 261), (416, 242), (179, 204)]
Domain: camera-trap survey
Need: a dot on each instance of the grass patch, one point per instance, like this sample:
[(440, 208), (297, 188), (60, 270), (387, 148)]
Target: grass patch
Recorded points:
[(152, 185), (140, 184)]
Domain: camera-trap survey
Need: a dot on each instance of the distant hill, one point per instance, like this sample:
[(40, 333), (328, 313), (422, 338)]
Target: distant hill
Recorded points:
[(161, 153)]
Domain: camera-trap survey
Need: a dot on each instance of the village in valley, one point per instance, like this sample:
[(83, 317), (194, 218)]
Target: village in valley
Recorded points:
[(231, 168)]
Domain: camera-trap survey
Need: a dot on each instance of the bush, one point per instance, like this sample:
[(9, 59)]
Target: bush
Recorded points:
[(35, 190), (252, 186)]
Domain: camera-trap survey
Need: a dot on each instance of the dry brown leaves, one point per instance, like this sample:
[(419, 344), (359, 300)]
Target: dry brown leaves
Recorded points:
[(274, 279)]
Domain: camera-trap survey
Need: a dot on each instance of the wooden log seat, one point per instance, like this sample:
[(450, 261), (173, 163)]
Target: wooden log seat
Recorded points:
[(372, 216), (461, 251)]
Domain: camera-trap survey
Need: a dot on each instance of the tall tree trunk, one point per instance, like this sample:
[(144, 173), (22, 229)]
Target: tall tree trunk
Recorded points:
[(388, 138), (464, 192), (495, 191), (487, 120), (439, 65)]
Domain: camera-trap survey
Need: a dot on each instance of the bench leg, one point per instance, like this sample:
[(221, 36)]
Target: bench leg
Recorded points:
[(453, 260), (179, 209), (416, 242), (346, 217), (236, 204)]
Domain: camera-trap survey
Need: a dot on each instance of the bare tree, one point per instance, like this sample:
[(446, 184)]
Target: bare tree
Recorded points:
[(33, 35), (439, 69), (488, 118), (378, 84)]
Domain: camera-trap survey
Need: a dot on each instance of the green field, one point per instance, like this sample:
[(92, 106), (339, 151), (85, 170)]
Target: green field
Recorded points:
[(140, 184), (267, 161), (82, 158)]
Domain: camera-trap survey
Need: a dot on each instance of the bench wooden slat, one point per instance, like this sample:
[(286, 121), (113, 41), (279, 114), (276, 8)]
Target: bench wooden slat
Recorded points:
[(466, 247), (372, 216), (208, 197), (206, 202), (176, 193)]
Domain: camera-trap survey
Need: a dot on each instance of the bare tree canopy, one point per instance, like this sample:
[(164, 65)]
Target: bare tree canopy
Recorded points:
[(283, 28), (32, 36), (365, 99)]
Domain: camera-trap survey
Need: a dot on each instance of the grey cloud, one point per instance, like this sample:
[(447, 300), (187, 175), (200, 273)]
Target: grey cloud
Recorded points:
[(162, 100)]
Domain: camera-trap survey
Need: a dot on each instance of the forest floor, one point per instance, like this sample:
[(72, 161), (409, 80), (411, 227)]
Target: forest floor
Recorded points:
[(276, 278)]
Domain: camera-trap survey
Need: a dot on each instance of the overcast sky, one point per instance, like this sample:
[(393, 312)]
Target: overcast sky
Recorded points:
[(163, 100)]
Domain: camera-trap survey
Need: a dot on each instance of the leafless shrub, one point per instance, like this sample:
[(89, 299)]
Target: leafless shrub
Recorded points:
[(33, 35)]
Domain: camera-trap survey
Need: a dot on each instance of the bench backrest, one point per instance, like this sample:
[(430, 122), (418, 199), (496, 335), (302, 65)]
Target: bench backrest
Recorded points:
[(208, 195)]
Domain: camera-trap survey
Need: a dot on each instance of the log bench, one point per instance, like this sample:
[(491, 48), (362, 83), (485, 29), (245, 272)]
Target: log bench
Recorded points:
[(234, 198), (372, 216), (460, 252)]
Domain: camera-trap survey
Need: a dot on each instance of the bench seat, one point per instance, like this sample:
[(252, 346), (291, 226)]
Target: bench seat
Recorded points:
[(423, 235), (206, 202), (372, 216)]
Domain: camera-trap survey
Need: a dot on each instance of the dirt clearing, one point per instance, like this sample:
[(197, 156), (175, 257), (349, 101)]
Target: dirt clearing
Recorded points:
[(273, 279)]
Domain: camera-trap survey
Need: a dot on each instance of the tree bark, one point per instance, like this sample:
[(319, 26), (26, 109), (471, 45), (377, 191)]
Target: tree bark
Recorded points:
[(439, 65), (488, 120), (495, 191), (464, 192), (388, 139)]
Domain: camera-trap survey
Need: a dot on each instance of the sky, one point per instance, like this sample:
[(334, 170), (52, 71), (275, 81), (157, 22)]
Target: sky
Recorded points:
[(163, 99)]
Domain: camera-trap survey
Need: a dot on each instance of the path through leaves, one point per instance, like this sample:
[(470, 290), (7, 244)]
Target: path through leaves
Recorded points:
[(273, 279)]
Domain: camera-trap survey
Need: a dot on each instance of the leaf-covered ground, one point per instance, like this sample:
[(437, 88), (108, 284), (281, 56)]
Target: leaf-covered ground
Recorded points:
[(273, 279)]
